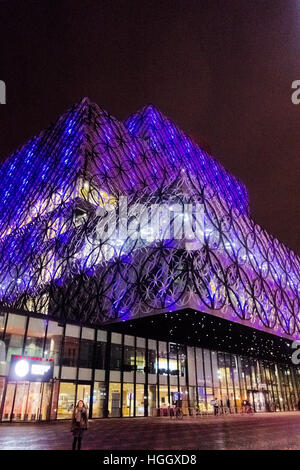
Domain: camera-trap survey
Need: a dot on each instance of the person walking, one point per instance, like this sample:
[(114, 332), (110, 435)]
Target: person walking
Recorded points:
[(216, 406), (221, 407), (228, 405), (79, 423)]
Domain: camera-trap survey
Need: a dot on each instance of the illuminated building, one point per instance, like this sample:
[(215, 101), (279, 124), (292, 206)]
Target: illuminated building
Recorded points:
[(137, 324)]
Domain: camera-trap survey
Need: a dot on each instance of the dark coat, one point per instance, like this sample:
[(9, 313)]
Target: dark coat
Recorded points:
[(77, 427)]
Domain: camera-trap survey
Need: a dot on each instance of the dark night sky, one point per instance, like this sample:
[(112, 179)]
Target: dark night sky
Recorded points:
[(222, 70)]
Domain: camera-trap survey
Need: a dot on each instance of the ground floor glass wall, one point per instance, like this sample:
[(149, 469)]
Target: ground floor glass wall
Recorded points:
[(125, 376), (27, 401)]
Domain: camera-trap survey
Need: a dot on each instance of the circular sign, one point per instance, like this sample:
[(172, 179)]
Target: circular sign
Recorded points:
[(22, 368)]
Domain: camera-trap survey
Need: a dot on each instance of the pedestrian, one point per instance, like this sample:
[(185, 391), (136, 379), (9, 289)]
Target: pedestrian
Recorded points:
[(221, 406), (244, 406), (248, 407), (79, 423), (216, 406), (228, 405)]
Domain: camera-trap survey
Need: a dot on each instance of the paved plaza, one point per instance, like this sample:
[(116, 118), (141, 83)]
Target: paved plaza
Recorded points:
[(261, 431)]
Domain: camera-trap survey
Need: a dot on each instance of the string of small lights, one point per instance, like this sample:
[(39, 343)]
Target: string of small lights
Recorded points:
[(207, 331)]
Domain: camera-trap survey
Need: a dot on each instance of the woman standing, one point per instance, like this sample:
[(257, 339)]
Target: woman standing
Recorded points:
[(79, 423)]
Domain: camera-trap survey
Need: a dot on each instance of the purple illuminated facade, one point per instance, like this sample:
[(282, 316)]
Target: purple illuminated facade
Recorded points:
[(133, 325), (51, 257)]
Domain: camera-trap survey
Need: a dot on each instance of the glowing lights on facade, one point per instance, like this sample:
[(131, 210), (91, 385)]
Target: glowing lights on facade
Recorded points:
[(52, 259)]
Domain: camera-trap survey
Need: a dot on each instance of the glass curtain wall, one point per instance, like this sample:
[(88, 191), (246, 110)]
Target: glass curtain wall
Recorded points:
[(132, 376), (233, 380)]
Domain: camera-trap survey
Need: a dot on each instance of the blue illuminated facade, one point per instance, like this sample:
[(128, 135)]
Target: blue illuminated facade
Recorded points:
[(55, 268), (51, 255)]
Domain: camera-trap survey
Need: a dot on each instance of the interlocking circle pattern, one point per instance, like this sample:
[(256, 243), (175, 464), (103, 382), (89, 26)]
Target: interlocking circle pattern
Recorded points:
[(56, 189)]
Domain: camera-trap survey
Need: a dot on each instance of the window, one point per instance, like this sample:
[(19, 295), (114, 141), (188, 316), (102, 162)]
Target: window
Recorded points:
[(140, 360), (66, 400), (163, 396), (184, 400), (152, 359), (173, 366), (14, 335), (71, 346), (152, 400), (114, 399), (84, 394), (2, 385), (128, 400), (208, 379), (99, 399), (86, 354), (70, 353), (100, 355), (129, 358), (140, 400), (182, 359), (2, 323), (34, 344), (115, 357), (163, 358), (53, 342)]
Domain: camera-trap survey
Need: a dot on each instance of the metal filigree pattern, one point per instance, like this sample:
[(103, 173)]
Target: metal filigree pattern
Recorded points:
[(57, 189)]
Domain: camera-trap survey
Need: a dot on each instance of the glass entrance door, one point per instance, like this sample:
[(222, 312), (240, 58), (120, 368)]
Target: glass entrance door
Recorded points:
[(84, 393), (128, 400)]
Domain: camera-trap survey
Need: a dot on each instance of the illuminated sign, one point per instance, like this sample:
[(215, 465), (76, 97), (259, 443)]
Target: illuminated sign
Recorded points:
[(31, 368)]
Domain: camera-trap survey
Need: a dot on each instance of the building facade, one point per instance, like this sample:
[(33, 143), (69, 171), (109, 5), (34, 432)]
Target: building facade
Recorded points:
[(164, 308), (120, 375)]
